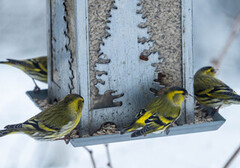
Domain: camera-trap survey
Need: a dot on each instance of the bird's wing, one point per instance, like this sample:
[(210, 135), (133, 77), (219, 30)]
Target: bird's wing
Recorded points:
[(152, 124), (38, 64), (140, 114), (51, 119), (155, 103), (143, 113), (41, 63), (212, 87), (38, 125), (137, 117), (155, 121), (154, 106)]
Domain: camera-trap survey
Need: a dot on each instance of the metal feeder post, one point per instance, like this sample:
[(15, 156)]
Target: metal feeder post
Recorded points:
[(114, 53)]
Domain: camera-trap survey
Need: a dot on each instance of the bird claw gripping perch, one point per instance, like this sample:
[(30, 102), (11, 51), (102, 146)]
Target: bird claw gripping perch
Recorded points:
[(66, 138), (36, 88)]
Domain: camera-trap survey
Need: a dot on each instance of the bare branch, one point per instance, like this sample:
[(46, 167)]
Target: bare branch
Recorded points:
[(108, 155), (91, 155), (228, 43), (232, 157)]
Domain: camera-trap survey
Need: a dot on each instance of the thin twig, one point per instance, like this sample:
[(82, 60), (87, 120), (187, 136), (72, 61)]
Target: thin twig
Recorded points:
[(108, 155), (91, 155), (228, 43), (232, 157)]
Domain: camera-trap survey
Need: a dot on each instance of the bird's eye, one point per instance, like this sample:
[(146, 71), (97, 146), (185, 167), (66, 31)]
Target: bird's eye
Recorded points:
[(212, 70), (79, 103)]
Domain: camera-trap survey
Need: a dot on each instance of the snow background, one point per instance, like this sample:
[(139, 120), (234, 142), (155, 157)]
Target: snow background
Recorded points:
[(23, 35)]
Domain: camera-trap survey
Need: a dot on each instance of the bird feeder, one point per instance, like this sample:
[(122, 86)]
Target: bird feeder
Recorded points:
[(115, 53)]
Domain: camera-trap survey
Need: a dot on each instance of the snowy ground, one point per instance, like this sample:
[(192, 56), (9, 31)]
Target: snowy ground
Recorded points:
[(23, 35)]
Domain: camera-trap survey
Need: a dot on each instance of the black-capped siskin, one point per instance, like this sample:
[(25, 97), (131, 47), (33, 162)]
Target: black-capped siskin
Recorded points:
[(211, 92), (53, 123), (158, 114), (36, 68)]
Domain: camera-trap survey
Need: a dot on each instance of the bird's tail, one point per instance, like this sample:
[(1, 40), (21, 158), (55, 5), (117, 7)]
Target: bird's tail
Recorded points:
[(235, 99), (124, 130), (5, 62), (13, 62), (133, 125), (4, 132), (11, 129), (137, 133)]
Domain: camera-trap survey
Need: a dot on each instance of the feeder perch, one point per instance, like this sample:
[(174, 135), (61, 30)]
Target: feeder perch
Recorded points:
[(118, 54)]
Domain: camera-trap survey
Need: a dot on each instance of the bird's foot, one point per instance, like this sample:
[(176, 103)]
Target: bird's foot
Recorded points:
[(66, 138), (211, 111), (36, 89), (167, 129), (218, 108)]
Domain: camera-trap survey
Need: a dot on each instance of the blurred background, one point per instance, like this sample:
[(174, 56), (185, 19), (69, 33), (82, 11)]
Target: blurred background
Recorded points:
[(23, 35)]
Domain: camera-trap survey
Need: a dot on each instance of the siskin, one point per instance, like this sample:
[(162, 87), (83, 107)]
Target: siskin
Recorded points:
[(53, 123), (158, 114), (36, 68), (211, 92)]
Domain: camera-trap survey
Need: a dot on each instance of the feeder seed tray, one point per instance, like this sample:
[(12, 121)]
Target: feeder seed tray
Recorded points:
[(109, 133)]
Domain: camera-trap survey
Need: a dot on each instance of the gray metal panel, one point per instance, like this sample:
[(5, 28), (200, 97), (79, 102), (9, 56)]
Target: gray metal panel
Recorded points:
[(184, 129), (187, 60), (60, 58), (49, 43), (82, 51), (187, 56)]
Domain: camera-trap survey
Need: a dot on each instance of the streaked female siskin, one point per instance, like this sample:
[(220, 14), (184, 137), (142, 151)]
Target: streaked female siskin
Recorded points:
[(36, 68), (211, 92), (53, 123)]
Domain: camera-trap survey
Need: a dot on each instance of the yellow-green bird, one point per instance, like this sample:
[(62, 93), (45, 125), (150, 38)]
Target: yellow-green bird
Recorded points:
[(158, 114), (211, 92), (36, 68), (53, 123)]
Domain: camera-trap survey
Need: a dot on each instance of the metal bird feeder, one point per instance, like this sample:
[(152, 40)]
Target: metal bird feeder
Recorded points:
[(114, 53)]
